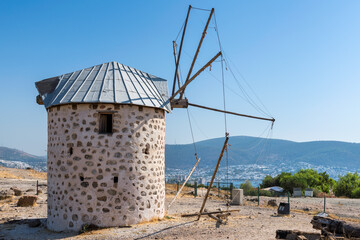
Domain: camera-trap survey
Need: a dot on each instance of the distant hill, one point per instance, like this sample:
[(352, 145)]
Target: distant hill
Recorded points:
[(252, 150), (243, 150), (10, 157)]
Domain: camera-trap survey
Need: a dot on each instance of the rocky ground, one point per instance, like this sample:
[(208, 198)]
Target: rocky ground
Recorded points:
[(251, 222)]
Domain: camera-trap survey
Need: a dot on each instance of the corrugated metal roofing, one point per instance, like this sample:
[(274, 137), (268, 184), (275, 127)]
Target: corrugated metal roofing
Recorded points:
[(105, 83)]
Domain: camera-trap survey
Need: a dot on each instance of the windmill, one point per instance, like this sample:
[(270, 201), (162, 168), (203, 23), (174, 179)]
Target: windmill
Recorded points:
[(178, 100)]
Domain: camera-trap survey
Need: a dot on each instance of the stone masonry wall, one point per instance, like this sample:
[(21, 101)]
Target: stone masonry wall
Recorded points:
[(105, 179)]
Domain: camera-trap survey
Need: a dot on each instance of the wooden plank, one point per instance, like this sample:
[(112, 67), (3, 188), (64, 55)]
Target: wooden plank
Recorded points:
[(216, 218), (188, 177), (336, 226), (207, 213)]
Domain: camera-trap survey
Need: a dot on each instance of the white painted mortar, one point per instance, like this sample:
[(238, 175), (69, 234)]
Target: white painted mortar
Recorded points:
[(81, 188)]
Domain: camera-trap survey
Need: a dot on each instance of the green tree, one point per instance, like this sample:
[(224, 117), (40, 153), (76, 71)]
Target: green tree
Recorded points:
[(347, 185), (248, 188), (268, 181), (304, 178)]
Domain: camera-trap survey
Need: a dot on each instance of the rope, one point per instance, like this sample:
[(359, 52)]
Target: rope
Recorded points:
[(188, 115), (224, 100), (251, 89), (180, 31), (201, 9), (192, 133), (248, 98)]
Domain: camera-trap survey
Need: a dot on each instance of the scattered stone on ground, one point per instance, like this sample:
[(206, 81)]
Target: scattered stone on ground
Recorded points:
[(17, 191), (6, 194), (272, 203), (27, 201)]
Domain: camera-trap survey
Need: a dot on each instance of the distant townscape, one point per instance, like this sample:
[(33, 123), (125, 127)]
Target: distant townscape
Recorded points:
[(247, 159)]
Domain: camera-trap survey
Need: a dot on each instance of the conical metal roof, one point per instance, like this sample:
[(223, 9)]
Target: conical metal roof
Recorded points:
[(110, 82)]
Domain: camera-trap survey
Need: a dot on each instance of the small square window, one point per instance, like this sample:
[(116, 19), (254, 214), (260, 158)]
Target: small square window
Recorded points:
[(106, 122)]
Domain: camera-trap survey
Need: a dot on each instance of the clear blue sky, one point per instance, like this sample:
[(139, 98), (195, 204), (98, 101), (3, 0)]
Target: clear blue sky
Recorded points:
[(302, 58)]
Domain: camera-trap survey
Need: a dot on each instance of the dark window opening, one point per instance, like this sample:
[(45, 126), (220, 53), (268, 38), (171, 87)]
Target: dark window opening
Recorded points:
[(81, 178), (105, 124), (146, 150), (71, 151), (116, 179)]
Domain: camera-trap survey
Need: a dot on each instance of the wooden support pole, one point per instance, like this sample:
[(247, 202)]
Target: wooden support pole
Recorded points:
[(177, 74), (213, 176), (233, 113), (193, 77), (188, 177), (181, 44), (198, 49)]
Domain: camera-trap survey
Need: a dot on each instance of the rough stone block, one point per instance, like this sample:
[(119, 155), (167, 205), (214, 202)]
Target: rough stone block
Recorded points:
[(238, 197), (27, 201)]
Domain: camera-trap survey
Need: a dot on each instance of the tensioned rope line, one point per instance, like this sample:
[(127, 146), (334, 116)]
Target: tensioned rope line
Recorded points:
[(201, 9), (188, 115), (245, 96), (180, 31), (247, 83), (250, 100), (224, 99)]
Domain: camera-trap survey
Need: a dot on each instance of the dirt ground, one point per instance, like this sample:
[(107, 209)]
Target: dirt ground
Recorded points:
[(251, 222)]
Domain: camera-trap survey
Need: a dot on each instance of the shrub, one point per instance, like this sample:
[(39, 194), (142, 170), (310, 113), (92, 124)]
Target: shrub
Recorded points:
[(316, 192), (347, 184), (355, 193), (248, 188)]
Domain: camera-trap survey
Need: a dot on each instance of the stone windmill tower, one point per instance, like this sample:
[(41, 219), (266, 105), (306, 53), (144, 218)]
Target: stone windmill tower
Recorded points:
[(106, 142)]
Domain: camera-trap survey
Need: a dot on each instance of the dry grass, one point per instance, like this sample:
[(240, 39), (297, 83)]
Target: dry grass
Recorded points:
[(37, 175), (13, 173), (6, 174)]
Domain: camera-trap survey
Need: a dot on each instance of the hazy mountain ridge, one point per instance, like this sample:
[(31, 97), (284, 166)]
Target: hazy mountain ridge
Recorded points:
[(243, 150), (14, 158), (252, 150)]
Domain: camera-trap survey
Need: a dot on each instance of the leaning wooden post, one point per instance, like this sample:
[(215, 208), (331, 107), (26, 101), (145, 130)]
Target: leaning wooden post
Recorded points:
[(213, 176), (188, 177)]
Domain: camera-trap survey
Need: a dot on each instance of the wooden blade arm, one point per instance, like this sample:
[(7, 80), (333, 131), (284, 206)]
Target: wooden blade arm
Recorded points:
[(193, 77), (199, 46), (233, 113), (181, 44)]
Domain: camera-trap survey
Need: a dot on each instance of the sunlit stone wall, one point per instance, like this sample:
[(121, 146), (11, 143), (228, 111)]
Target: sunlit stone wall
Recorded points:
[(105, 179)]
